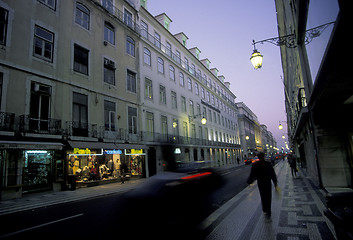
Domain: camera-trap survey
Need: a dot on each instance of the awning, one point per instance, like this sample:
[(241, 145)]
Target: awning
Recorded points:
[(30, 145), (105, 145)]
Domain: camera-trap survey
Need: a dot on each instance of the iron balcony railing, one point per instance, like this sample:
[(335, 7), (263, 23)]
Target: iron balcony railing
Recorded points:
[(37, 125)]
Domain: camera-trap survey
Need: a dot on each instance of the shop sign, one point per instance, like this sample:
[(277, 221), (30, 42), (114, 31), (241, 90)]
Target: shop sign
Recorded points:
[(118, 151), (134, 152), (81, 151)]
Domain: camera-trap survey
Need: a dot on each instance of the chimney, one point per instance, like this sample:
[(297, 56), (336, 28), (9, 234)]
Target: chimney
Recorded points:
[(164, 20), (206, 62), (195, 51), (181, 38), (214, 71)]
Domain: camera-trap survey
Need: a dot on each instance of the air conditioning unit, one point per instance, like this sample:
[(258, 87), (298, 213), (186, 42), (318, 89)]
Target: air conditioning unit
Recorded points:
[(109, 63)]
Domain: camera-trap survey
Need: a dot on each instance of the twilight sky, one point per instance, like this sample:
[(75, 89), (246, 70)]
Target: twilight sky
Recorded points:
[(223, 31)]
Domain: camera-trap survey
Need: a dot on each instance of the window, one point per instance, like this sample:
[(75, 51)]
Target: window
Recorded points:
[(39, 112), (109, 115), (131, 81), (171, 73), (210, 115), (193, 131), (43, 43), (162, 95), (4, 15), (198, 109), (149, 122), (130, 46), (183, 104), (82, 16), (208, 96), (191, 108), (80, 114), (185, 129), (157, 40), (189, 84), (169, 49), (132, 120), (144, 29), (175, 127), (80, 59), (202, 93), (181, 79), (160, 65), (164, 125), (174, 100), (49, 3), (108, 4), (197, 88), (128, 18), (148, 89), (109, 71), (178, 58), (147, 56), (109, 33)]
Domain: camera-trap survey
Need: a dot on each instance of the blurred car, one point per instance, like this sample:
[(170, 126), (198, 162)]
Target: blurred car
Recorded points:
[(171, 202), (247, 160), (255, 159)]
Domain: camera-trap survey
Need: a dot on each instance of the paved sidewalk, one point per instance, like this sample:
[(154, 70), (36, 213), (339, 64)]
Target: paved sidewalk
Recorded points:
[(297, 213), (38, 200)]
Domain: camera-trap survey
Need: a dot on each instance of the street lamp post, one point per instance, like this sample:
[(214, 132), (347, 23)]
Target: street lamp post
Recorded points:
[(203, 120), (256, 58)]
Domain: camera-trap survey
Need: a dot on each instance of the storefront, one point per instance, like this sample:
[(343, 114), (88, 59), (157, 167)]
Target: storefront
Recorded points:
[(94, 163), (28, 167)]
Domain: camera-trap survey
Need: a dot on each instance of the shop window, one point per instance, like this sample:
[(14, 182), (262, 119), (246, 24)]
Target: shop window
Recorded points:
[(80, 115), (109, 115), (39, 112)]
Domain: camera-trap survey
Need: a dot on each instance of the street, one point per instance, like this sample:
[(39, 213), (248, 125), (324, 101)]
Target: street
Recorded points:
[(105, 216)]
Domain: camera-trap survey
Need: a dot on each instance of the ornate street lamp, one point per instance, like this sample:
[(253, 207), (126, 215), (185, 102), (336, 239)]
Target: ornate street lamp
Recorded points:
[(256, 58), (203, 120), (280, 126), (288, 40)]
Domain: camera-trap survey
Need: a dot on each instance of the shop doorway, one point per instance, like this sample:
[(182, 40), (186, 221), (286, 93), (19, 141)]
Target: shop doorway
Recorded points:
[(37, 171)]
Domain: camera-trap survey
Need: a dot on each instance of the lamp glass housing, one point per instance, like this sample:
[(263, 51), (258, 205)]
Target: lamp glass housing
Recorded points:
[(256, 59), (203, 121)]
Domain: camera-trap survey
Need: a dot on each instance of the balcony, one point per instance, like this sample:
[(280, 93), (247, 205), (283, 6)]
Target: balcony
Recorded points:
[(41, 126), (81, 129), (7, 121)]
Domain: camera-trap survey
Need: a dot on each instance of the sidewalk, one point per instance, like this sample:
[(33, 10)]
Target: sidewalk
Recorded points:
[(38, 200), (297, 213)]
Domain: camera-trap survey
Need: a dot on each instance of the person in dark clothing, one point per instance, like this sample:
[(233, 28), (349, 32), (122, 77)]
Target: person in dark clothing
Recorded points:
[(293, 165), (123, 171), (263, 172)]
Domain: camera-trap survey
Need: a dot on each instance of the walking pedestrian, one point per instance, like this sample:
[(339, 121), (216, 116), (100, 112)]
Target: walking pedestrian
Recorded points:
[(293, 165), (263, 172), (123, 171)]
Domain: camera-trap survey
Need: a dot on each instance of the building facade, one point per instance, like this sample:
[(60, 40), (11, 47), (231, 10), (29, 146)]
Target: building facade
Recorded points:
[(320, 134), (87, 85), (178, 90), (69, 93)]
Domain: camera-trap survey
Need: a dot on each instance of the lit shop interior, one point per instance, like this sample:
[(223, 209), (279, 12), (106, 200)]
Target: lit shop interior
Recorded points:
[(102, 165)]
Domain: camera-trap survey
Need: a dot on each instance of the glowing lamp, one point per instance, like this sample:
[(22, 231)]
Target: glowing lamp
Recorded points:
[(256, 59)]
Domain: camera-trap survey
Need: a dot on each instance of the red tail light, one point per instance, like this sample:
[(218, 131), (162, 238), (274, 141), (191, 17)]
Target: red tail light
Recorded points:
[(196, 175)]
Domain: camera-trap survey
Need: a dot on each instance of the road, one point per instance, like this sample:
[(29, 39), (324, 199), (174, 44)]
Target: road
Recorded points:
[(104, 216)]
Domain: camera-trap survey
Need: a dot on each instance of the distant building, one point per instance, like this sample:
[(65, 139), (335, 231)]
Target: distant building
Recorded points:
[(253, 136)]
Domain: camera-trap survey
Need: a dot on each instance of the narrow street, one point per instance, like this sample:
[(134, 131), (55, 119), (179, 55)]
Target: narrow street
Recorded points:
[(98, 217)]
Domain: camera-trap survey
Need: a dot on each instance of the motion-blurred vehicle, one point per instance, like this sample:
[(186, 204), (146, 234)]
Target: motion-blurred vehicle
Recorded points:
[(255, 159), (247, 160), (169, 204)]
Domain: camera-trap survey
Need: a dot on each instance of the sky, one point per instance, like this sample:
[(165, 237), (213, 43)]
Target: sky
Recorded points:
[(223, 31)]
